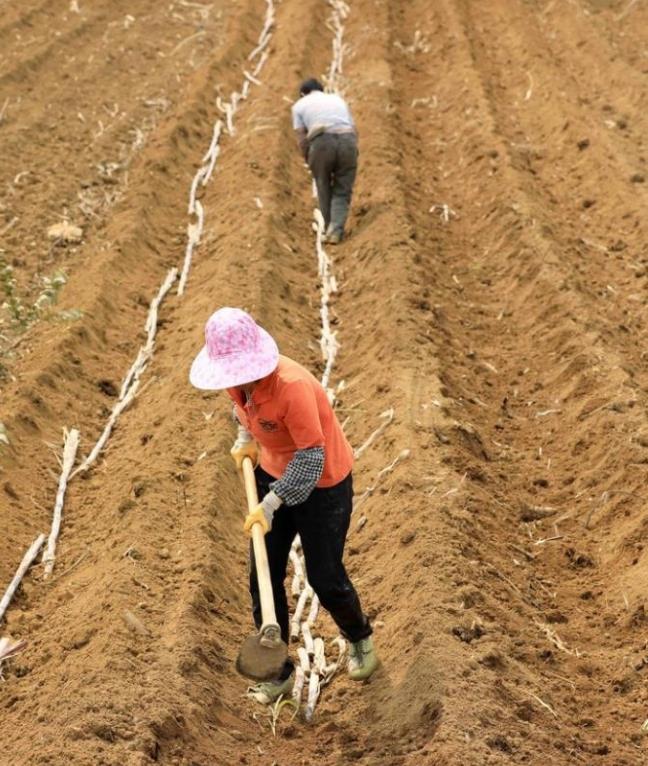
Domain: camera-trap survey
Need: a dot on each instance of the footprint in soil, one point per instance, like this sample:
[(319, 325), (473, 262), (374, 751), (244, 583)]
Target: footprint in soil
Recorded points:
[(578, 560), (467, 635), (499, 742), (107, 387)]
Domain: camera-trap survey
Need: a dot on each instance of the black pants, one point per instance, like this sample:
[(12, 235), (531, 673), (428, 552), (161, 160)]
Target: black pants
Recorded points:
[(333, 160), (322, 522)]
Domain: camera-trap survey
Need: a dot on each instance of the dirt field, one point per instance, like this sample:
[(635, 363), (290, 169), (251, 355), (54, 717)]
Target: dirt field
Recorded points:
[(492, 291)]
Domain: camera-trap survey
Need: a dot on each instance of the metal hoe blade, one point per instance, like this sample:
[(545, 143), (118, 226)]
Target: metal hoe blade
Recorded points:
[(262, 656)]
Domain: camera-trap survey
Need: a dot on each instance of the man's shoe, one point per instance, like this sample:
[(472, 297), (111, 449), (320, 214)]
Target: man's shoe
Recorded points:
[(270, 691), (363, 659), (331, 236)]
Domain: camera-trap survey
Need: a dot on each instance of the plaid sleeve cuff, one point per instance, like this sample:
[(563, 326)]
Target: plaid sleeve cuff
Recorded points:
[(300, 477)]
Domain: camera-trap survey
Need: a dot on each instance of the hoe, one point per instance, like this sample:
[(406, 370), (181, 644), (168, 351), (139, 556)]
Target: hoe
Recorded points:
[(263, 654)]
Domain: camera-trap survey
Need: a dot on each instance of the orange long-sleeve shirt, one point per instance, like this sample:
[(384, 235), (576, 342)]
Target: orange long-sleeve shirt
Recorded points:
[(288, 411)]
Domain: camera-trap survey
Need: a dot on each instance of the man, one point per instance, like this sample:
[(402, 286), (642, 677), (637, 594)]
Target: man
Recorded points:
[(303, 476), (328, 141)]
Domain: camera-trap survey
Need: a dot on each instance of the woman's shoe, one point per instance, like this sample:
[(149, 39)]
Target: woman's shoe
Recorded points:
[(270, 691), (363, 660)]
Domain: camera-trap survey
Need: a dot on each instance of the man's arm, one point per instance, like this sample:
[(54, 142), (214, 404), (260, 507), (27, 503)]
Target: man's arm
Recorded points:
[(302, 140), (299, 126)]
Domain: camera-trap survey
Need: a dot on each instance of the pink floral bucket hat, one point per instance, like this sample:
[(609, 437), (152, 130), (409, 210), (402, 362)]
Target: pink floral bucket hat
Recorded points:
[(237, 351)]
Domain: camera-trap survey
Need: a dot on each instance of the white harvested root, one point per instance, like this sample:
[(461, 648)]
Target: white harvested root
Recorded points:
[(9, 648), (314, 609), (387, 416), (555, 639), (329, 672), (295, 586), (65, 232), (544, 704), (212, 154), (332, 668), (229, 118), (105, 434), (298, 685), (319, 658), (328, 339), (301, 671), (329, 347), (27, 561), (446, 212), (135, 624), (299, 579), (146, 351), (197, 179), (135, 369), (403, 455), (251, 78), (299, 610), (341, 645), (70, 446), (298, 566), (228, 109), (260, 63), (130, 384), (340, 12), (313, 694), (264, 37), (194, 230), (304, 659), (308, 638)]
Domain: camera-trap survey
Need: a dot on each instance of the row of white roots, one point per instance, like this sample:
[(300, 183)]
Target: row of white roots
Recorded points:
[(313, 671)]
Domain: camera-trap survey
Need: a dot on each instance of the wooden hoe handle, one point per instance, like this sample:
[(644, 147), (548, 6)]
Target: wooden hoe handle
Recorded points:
[(268, 614)]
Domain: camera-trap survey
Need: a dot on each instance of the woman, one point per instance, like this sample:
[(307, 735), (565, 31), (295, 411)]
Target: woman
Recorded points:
[(303, 475)]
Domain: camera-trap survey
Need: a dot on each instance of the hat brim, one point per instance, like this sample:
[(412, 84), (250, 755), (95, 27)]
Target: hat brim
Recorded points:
[(236, 369)]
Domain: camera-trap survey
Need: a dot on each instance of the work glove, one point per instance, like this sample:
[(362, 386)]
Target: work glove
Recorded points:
[(263, 513), (244, 446)]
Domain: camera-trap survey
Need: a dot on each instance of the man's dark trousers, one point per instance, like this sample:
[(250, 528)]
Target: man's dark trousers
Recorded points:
[(333, 160)]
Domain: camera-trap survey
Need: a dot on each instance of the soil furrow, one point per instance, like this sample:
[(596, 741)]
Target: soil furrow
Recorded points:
[(89, 136), (490, 370), (596, 223)]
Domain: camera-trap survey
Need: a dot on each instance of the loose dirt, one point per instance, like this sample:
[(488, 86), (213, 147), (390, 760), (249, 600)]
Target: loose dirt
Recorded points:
[(492, 290)]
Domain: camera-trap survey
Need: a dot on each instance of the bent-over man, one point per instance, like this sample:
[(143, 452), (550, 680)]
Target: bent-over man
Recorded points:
[(328, 140)]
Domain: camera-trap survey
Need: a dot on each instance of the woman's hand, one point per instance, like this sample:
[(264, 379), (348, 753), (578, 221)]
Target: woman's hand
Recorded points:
[(249, 449), (262, 513), (244, 446)]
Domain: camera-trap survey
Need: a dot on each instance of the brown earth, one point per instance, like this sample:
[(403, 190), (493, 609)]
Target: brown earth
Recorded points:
[(502, 562)]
